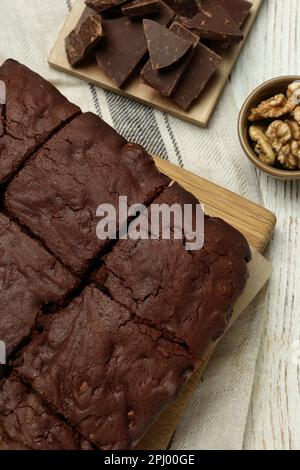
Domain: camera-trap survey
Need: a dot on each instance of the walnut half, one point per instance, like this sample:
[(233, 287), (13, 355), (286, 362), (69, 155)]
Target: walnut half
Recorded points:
[(280, 142), (296, 114), (279, 134), (274, 107), (263, 146), (287, 156)]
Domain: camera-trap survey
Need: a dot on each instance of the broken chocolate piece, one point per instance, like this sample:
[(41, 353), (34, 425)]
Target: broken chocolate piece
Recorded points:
[(213, 22), (201, 68), (166, 80), (184, 33), (165, 47), (102, 5), (238, 10), (125, 45), (140, 8), (87, 34), (187, 8)]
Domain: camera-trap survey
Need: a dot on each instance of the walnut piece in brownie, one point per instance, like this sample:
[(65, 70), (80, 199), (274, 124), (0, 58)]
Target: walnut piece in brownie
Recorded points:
[(29, 278), (26, 424), (34, 109), (109, 376), (84, 165), (188, 293)]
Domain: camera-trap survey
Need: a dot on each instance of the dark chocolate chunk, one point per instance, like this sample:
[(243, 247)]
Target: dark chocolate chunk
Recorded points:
[(213, 22), (84, 165), (187, 8), (165, 47), (203, 65), (190, 294), (238, 10), (103, 5), (166, 80), (140, 8), (30, 278), (125, 45), (108, 375), (83, 39), (27, 424), (34, 109)]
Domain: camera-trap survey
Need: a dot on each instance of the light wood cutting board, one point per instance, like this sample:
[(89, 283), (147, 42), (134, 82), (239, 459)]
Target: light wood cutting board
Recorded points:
[(257, 224), (198, 114)]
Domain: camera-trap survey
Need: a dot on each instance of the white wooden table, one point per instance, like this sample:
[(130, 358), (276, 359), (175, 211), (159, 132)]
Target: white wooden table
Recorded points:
[(274, 417)]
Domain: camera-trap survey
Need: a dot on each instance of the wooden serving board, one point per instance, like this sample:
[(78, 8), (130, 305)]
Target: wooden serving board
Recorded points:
[(198, 114), (257, 224)]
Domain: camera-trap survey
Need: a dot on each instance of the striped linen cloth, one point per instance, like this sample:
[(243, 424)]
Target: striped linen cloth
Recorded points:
[(217, 414)]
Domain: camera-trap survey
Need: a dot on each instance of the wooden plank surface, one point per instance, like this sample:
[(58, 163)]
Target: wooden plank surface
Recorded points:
[(274, 417), (198, 114), (257, 224), (254, 221)]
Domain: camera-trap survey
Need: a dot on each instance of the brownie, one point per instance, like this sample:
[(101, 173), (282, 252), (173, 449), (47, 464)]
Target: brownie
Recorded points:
[(34, 110), (30, 277), (27, 424), (95, 165), (107, 374), (190, 294)]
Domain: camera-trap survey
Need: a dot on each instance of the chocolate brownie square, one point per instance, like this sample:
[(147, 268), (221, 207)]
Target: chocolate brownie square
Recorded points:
[(188, 293), (34, 109), (27, 424), (29, 278), (84, 165), (108, 375)]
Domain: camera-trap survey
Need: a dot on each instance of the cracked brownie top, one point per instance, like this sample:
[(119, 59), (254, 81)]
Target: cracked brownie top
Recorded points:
[(114, 355), (84, 165), (29, 278), (188, 293), (108, 374), (34, 109), (27, 424)]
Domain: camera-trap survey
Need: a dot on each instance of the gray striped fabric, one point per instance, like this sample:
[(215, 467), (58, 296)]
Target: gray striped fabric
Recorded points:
[(28, 30)]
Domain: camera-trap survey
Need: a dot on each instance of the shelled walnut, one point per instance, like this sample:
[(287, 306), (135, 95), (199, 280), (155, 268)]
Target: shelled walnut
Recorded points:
[(296, 114), (263, 147), (293, 91), (294, 127), (274, 107), (277, 143), (279, 134)]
